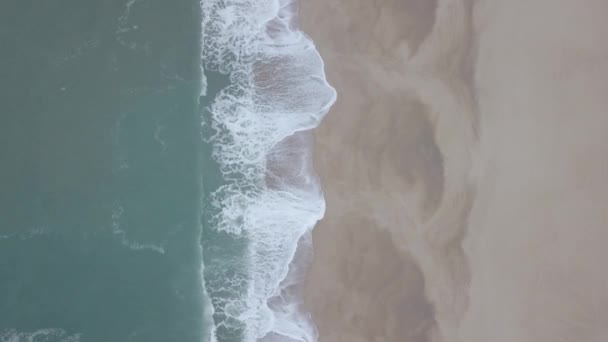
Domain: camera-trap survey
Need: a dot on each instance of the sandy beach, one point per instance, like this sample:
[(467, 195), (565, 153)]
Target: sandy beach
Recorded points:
[(464, 168)]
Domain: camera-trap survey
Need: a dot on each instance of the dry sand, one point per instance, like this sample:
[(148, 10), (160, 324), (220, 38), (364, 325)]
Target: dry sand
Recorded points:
[(465, 170)]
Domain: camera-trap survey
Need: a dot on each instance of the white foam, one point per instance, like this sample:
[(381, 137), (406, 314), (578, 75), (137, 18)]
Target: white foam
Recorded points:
[(28, 234), (117, 212), (12, 335), (278, 88)]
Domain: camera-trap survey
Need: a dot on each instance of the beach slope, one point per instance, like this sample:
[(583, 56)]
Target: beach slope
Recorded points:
[(464, 167)]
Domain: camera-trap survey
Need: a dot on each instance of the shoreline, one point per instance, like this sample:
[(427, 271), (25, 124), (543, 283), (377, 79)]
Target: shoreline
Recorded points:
[(265, 200)]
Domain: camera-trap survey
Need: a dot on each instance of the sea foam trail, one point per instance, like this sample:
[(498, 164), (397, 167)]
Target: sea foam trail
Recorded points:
[(12, 335), (271, 197)]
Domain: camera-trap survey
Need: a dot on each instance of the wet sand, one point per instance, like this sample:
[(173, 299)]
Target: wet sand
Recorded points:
[(464, 167)]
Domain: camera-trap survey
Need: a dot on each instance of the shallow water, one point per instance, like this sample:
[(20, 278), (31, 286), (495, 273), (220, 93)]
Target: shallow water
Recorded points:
[(268, 198)]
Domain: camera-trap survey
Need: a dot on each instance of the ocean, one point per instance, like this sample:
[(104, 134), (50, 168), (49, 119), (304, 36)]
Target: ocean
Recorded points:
[(156, 170)]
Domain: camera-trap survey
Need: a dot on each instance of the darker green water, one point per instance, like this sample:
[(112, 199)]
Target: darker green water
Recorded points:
[(100, 171)]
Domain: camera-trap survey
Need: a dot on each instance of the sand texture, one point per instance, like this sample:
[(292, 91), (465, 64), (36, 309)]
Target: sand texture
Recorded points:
[(465, 170)]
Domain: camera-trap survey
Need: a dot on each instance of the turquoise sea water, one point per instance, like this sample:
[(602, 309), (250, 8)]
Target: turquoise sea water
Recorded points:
[(100, 175), (155, 174)]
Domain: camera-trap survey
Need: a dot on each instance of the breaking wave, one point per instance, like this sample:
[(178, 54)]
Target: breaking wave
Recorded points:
[(270, 197)]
